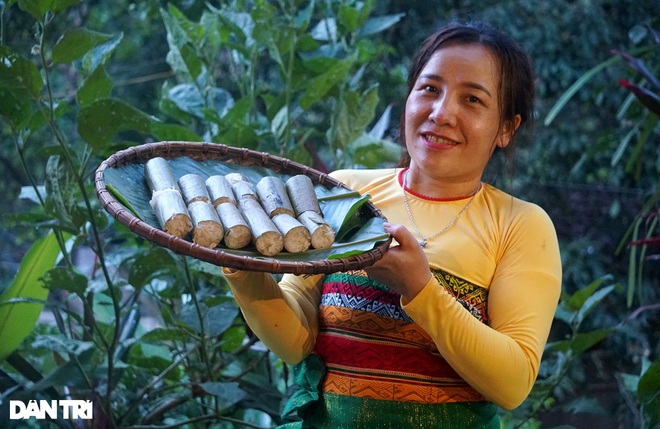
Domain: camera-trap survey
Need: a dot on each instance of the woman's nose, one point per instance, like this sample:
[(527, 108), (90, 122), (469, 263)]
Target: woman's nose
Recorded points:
[(443, 111)]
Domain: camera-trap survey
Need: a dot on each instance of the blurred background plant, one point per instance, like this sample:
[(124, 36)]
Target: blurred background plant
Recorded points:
[(155, 338)]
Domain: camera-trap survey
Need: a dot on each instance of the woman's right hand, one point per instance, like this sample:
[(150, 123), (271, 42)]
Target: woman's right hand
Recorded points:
[(404, 267)]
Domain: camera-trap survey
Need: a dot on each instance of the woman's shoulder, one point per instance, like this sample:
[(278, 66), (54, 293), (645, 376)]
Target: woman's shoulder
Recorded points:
[(364, 178), (514, 208)]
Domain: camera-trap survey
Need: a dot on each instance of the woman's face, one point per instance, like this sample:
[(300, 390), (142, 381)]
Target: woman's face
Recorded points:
[(452, 118)]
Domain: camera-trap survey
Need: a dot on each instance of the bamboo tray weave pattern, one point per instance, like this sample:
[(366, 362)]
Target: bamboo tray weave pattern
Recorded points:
[(236, 158)]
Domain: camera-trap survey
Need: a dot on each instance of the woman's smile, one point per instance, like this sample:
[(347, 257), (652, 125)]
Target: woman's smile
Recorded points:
[(438, 142)]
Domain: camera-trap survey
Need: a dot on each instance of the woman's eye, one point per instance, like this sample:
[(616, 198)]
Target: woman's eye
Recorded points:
[(429, 88), (473, 99)]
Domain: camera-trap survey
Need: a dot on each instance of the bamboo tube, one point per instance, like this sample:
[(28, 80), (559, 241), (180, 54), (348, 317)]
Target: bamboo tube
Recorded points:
[(219, 190), (237, 231), (273, 196), (296, 236), (323, 236), (207, 230), (308, 212), (302, 194), (159, 175), (193, 188), (243, 189), (171, 212), (266, 237)]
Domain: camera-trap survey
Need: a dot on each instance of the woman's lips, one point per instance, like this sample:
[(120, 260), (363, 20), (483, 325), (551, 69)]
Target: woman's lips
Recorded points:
[(434, 140)]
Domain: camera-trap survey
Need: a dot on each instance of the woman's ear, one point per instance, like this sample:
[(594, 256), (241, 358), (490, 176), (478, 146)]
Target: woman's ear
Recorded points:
[(507, 132)]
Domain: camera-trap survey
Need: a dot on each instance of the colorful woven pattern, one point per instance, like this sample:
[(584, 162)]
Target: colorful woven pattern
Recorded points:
[(372, 349)]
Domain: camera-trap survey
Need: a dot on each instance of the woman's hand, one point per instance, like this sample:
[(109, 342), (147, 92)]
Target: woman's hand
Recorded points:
[(404, 267)]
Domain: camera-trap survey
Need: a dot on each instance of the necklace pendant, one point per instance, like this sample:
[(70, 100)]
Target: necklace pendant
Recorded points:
[(423, 243)]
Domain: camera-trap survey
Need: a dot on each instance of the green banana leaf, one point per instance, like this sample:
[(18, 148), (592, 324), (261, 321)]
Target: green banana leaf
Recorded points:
[(22, 302), (355, 231)]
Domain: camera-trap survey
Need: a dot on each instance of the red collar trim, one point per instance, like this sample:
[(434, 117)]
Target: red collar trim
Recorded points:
[(426, 197)]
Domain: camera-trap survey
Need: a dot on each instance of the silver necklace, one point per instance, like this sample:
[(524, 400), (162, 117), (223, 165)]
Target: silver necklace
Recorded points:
[(425, 239)]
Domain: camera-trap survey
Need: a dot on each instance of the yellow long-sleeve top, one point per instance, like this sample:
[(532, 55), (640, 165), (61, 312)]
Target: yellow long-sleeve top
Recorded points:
[(485, 314)]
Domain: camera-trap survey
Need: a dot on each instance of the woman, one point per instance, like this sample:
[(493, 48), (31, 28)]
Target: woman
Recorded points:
[(452, 321)]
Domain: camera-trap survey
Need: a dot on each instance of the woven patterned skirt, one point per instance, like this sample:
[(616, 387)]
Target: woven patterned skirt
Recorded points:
[(374, 368)]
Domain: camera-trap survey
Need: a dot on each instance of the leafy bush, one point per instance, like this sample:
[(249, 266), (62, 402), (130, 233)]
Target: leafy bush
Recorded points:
[(149, 336)]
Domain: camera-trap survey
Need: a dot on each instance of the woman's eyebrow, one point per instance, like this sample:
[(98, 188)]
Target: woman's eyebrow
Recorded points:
[(468, 84)]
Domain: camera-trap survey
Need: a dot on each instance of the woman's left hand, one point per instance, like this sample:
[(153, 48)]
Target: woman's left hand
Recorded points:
[(404, 267)]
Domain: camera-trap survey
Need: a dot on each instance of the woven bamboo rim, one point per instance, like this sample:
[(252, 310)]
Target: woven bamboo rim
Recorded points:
[(202, 151)]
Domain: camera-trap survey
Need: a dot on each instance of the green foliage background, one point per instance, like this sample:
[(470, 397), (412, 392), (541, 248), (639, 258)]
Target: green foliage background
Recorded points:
[(154, 338)]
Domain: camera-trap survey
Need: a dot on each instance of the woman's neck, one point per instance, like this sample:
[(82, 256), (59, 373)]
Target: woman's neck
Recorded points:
[(425, 187)]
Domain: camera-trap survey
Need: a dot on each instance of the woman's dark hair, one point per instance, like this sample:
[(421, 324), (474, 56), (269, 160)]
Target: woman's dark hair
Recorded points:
[(516, 89)]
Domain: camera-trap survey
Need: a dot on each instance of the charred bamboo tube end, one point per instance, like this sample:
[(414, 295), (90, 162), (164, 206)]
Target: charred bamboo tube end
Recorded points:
[(269, 243), (323, 236), (171, 212), (295, 235), (237, 232), (266, 237), (207, 229)]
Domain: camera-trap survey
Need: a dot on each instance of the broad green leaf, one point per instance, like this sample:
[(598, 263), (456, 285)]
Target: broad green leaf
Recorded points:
[(239, 134), (356, 111), (158, 335), (320, 61), (240, 25), (151, 263), (648, 393), (187, 98), (192, 32), (648, 388), (181, 57), (304, 16), (61, 344), (577, 300), (100, 54), (229, 393), (349, 17), (96, 86), (172, 132), (339, 206), (321, 85), (380, 23), (212, 36), (100, 121), (65, 279), (18, 74), (73, 373), (152, 357), (75, 43), (581, 342), (373, 153), (216, 319), (18, 319), (592, 302), (39, 8), (14, 109), (272, 33)]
